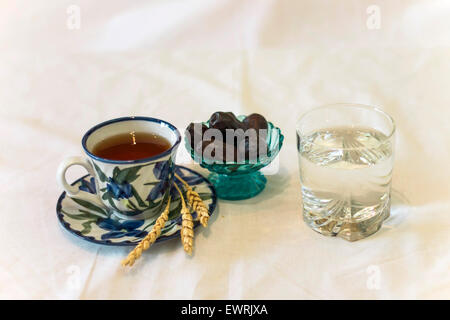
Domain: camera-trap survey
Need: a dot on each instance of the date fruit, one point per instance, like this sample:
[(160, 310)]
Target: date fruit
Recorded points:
[(195, 135), (255, 121), (227, 120), (224, 120)]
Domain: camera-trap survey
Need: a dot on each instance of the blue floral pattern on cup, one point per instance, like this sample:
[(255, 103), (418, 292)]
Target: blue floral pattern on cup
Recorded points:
[(119, 190), (162, 170), (88, 185), (118, 187)]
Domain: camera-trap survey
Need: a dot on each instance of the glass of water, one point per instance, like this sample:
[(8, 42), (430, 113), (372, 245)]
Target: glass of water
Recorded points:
[(346, 155)]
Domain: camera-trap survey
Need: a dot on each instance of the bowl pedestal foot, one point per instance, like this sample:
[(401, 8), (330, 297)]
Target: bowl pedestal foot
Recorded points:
[(239, 186)]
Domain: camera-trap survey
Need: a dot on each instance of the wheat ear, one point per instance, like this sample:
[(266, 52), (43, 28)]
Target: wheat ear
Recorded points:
[(149, 239), (187, 225), (195, 202)]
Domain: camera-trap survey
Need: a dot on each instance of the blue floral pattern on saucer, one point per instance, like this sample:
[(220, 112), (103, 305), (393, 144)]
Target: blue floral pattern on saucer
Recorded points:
[(76, 216)]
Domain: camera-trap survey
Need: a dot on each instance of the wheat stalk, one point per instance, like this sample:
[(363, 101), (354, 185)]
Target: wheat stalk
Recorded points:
[(187, 225), (149, 239), (195, 202)]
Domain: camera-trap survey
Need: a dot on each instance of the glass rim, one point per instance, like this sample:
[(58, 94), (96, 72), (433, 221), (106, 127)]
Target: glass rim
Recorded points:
[(350, 105)]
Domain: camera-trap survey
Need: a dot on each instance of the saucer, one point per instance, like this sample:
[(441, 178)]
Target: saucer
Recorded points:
[(78, 219)]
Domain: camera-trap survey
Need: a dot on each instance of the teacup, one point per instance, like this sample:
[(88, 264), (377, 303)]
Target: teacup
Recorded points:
[(131, 189)]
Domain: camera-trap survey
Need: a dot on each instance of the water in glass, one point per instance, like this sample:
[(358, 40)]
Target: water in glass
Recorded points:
[(346, 179)]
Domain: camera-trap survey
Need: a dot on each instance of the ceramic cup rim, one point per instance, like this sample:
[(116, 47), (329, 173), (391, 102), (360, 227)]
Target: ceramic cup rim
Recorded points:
[(132, 118)]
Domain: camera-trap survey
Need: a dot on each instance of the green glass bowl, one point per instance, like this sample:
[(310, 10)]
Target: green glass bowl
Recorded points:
[(237, 181)]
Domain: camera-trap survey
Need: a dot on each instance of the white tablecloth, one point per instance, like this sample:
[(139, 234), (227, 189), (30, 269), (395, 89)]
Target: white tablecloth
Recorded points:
[(183, 60)]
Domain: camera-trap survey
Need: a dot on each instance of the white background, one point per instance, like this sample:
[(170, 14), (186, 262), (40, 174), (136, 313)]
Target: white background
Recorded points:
[(181, 61)]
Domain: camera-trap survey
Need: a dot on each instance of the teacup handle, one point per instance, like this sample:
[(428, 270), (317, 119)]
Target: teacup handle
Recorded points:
[(73, 191)]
